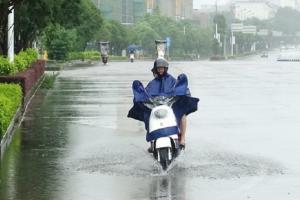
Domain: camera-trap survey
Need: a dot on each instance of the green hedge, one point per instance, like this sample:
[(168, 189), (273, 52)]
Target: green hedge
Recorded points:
[(6, 68), (90, 55), (49, 81), (22, 61), (10, 100)]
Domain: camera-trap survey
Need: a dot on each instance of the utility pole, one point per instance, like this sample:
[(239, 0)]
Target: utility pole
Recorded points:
[(232, 42), (216, 32), (10, 35), (217, 35), (225, 56)]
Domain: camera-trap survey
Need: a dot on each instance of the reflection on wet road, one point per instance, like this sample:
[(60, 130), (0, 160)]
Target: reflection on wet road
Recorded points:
[(75, 141)]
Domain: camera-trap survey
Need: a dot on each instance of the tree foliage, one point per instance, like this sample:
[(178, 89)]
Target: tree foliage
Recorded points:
[(145, 36), (221, 22), (59, 41), (10, 100), (33, 17), (286, 20), (220, 26), (87, 24), (4, 11), (186, 38)]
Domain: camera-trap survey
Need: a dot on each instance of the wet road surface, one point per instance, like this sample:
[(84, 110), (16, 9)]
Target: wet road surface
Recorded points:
[(75, 141)]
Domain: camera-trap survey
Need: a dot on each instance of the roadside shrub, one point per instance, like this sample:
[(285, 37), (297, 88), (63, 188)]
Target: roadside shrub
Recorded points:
[(5, 112), (25, 59), (49, 81), (32, 55), (75, 56), (20, 63), (10, 100), (93, 55), (59, 41), (90, 55), (6, 68)]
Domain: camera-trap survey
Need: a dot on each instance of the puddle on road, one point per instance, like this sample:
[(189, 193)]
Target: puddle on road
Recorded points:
[(208, 165), (119, 165), (225, 165)]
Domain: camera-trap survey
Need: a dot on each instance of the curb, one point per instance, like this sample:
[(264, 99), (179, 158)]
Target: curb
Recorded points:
[(8, 136), (17, 119)]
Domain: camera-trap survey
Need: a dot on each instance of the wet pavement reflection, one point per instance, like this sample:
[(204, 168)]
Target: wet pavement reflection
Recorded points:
[(75, 141)]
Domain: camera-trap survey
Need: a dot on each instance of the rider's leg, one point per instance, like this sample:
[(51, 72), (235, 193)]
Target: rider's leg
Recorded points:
[(182, 129)]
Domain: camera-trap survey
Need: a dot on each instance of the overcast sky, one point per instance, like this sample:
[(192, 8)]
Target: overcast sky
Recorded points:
[(197, 3)]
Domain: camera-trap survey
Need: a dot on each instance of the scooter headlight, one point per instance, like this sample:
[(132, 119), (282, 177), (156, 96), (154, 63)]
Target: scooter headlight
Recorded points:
[(160, 113)]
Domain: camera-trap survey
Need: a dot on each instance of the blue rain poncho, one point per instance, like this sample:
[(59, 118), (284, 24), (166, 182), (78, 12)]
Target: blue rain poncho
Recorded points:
[(167, 86)]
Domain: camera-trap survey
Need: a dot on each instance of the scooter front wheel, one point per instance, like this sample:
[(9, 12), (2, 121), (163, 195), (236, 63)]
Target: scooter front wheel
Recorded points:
[(164, 157)]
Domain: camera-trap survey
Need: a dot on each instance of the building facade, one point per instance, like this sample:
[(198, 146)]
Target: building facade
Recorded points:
[(129, 11), (294, 4), (177, 9), (124, 11), (253, 9)]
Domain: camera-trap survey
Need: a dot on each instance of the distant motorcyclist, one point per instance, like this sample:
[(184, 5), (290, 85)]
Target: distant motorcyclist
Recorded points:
[(131, 55), (104, 50)]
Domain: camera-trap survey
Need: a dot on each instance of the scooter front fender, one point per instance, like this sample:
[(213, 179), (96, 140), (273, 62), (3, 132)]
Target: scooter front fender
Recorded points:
[(163, 142)]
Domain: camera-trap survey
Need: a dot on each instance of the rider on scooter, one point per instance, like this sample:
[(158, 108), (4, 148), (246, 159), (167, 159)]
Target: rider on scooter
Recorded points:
[(164, 84)]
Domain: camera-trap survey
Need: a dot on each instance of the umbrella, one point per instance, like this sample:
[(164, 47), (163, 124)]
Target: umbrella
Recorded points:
[(132, 47)]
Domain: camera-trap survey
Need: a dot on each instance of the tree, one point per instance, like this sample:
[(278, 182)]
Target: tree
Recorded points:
[(59, 41), (286, 20), (245, 41), (220, 22), (4, 11), (187, 38), (34, 16), (87, 24), (260, 24), (31, 18), (118, 37), (145, 36)]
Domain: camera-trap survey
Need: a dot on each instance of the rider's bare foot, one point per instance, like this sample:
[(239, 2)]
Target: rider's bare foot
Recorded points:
[(182, 144)]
